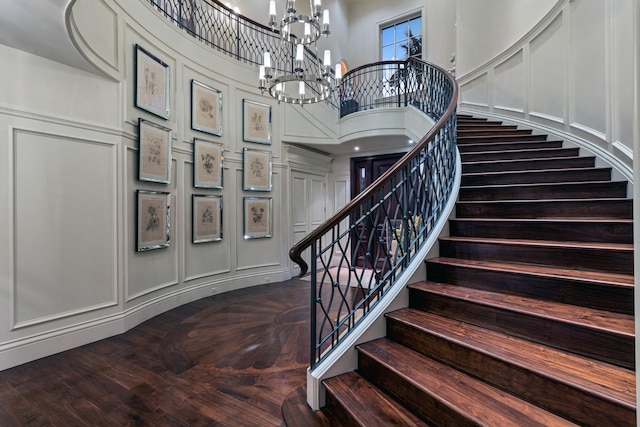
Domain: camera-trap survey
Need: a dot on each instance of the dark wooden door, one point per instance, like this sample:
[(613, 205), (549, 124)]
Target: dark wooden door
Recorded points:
[(366, 237)]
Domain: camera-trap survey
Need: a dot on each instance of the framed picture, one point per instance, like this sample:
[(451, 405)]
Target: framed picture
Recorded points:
[(154, 152), (207, 218), (206, 108), (208, 160), (257, 217), (152, 83), (153, 220), (256, 122), (256, 173)]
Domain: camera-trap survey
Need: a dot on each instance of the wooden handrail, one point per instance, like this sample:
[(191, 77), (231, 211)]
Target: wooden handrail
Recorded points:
[(295, 254)]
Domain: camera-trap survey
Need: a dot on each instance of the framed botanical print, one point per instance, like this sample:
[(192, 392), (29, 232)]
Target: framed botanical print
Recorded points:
[(256, 170), (206, 108), (152, 83), (257, 217), (153, 220), (207, 218), (154, 152), (256, 122), (208, 160)]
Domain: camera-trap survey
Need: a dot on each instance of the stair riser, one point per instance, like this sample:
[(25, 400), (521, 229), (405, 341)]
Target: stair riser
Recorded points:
[(340, 414), (539, 389), (500, 137), (566, 291), (618, 209), (504, 129), (514, 155), (486, 127), (420, 403), (610, 232), (507, 146), (595, 259), (602, 345), (529, 165), (602, 190), (537, 177)]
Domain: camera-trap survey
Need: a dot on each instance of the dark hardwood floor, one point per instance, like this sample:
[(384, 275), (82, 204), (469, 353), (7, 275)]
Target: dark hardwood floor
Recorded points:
[(227, 360)]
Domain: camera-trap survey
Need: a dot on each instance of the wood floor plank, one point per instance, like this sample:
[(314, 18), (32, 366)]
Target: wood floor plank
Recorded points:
[(227, 360)]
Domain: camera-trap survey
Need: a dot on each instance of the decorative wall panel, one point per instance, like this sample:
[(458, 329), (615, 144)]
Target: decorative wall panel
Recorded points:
[(509, 84), (548, 67), (65, 226)]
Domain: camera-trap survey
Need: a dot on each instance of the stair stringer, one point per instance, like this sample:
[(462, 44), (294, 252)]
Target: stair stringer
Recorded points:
[(344, 358)]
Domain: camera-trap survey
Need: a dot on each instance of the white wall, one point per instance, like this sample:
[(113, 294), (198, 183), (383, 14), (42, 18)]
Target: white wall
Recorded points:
[(570, 74), (366, 18), (487, 28)]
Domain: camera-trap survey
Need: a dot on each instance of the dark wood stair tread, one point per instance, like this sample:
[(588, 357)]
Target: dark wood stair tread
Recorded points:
[(597, 277), (619, 324), (584, 230), (478, 402), (601, 379), (624, 247), (615, 207), (366, 404), (528, 164)]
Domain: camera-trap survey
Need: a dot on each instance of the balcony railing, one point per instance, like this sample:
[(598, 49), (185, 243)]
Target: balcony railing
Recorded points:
[(359, 254), (235, 35)]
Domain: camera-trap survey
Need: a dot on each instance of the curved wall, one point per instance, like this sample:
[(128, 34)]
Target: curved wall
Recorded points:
[(69, 271), (571, 75)]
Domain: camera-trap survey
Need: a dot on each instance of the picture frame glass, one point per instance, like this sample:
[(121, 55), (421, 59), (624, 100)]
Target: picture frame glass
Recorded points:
[(207, 218), (257, 170), (208, 158), (257, 217), (153, 220), (206, 108), (152, 83), (256, 126), (154, 155)]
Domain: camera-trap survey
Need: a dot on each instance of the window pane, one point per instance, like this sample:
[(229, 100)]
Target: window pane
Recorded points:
[(415, 47), (387, 36), (415, 26), (388, 53), (402, 30)]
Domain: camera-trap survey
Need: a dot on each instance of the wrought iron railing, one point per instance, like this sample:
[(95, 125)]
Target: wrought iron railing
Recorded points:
[(358, 254), (393, 84), (235, 35)]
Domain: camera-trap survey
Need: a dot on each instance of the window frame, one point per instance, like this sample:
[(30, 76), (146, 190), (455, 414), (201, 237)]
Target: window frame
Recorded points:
[(406, 18)]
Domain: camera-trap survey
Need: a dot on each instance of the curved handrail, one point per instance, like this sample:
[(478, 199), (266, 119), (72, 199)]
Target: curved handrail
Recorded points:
[(295, 253), (359, 253)]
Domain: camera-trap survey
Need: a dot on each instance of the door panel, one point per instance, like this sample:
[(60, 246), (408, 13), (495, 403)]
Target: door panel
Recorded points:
[(369, 237)]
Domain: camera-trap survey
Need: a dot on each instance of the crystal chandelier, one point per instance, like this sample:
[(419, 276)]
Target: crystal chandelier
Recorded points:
[(299, 32)]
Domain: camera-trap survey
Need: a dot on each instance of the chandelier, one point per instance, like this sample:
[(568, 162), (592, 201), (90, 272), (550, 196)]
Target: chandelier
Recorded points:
[(299, 32)]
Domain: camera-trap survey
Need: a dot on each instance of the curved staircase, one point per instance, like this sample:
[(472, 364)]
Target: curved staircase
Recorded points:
[(526, 316)]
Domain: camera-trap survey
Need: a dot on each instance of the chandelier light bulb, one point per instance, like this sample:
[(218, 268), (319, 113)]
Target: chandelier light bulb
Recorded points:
[(301, 89), (267, 60), (327, 58), (299, 53), (325, 23)]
